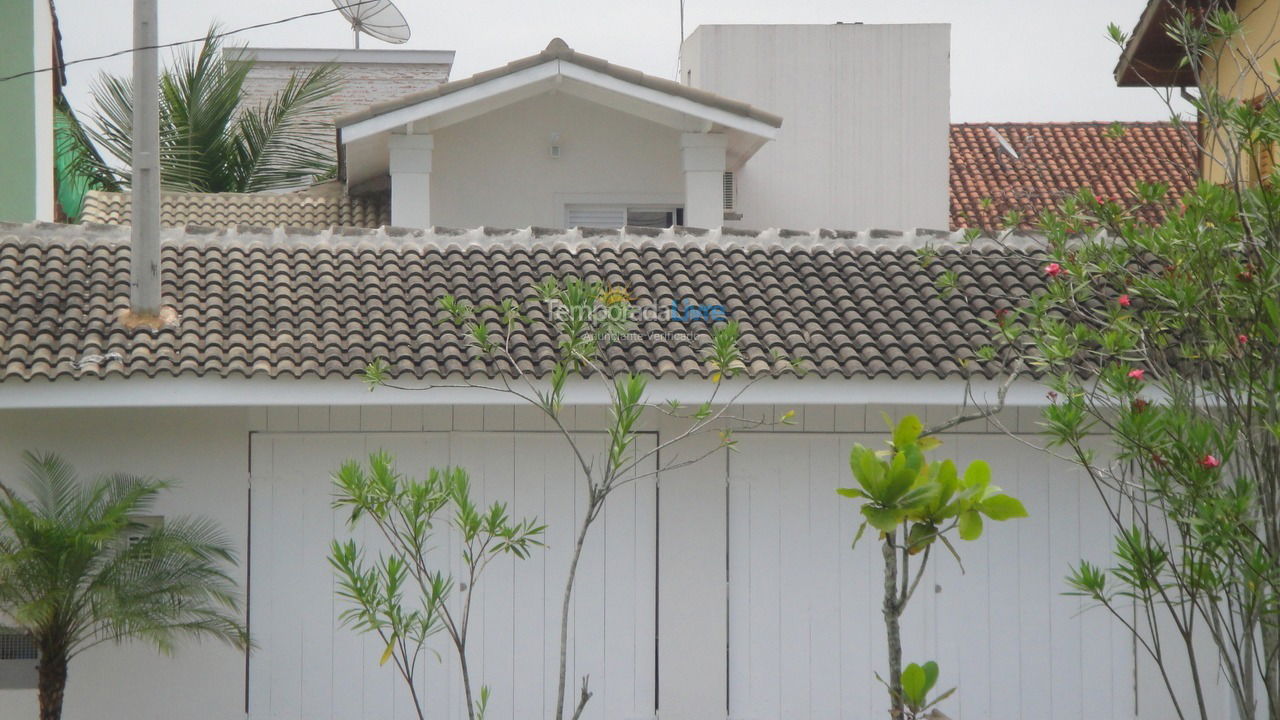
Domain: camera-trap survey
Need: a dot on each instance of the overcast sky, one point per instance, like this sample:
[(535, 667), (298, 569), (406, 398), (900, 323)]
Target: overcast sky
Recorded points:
[(1010, 59)]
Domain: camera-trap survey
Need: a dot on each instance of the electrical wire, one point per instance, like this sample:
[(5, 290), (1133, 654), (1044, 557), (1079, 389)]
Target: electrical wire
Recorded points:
[(162, 46)]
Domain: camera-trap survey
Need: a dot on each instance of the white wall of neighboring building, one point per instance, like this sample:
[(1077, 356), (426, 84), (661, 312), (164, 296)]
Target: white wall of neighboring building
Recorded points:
[(866, 112), (759, 600), (497, 169)]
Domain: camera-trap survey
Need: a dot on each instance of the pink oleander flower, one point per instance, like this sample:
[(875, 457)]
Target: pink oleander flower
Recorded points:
[(1053, 270), (1210, 462), (1243, 339), (1137, 373), (1124, 301)]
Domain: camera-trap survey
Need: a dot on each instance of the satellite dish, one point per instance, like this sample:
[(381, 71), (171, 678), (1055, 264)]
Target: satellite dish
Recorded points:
[(376, 18)]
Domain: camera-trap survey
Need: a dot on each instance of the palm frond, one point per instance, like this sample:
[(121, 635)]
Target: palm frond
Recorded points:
[(208, 142), (76, 564), (278, 144), (52, 483)]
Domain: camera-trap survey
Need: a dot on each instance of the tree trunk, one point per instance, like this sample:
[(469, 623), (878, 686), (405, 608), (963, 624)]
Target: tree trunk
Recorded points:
[(893, 633), (51, 683), (564, 615)]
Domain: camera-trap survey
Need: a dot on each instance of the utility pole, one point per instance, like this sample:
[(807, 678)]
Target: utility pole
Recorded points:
[(144, 249)]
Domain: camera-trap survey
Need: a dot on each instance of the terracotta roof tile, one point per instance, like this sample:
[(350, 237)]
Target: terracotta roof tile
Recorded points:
[(307, 210), (325, 304), (1056, 159)]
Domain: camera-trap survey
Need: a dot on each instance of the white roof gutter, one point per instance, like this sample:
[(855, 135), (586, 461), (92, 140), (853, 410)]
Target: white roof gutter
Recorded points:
[(235, 392)]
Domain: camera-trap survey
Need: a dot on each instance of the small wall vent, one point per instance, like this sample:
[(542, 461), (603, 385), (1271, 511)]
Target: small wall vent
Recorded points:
[(730, 192)]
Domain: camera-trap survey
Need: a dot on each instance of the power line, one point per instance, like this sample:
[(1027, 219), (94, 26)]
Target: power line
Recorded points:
[(164, 46)]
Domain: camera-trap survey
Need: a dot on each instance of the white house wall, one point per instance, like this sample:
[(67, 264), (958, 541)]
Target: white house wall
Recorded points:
[(310, 666), (806, 633), (866, 117), (1043, 653), (497, 169)]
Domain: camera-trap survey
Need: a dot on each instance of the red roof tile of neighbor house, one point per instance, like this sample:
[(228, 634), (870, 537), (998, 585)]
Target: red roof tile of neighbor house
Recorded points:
[(1030, 167)]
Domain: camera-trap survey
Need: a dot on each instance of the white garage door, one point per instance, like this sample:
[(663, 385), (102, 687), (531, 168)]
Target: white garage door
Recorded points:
[(308, 667), (806, 633)]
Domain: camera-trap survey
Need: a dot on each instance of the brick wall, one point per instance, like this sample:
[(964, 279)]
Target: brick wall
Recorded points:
[(363, 83)]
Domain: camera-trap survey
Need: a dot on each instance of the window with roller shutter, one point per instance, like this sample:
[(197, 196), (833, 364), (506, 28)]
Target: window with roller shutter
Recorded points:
[(18, 659)]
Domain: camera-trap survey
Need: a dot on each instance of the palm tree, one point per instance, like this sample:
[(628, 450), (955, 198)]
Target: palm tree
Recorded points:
[(207, 142), (78, 568)]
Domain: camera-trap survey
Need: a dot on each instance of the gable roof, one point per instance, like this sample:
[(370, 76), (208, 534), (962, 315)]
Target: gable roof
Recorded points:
[(324, 304), (363, 152), (558, 49), (1056, 159), (1151, 57), (314, 210)]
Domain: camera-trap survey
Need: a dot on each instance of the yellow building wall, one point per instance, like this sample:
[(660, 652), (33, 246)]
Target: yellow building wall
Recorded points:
[(1246, 70)]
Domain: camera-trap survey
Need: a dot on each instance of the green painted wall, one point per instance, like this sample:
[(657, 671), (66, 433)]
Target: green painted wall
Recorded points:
[(18, 112)]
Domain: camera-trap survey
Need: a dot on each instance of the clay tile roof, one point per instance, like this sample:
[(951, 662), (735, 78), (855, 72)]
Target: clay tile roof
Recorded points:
[(277, 303), (1056, 159), (312, 209)]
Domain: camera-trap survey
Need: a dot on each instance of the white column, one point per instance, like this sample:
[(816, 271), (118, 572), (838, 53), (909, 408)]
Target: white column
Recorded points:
[(410, 180), (702, 157)]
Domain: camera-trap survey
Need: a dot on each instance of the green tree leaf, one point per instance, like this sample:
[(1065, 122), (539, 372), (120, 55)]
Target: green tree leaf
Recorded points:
[(930, 676), (970, 525), (977, 475), (913, 685), (908, 430), (1002, 507), (883, 519)]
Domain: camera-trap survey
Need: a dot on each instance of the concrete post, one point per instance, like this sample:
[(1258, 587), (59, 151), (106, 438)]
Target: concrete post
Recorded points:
[(144, 247), (702, 157), (410, 180)]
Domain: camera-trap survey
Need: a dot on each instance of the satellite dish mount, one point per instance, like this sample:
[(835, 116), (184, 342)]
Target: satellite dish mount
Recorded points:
[(378, 19)]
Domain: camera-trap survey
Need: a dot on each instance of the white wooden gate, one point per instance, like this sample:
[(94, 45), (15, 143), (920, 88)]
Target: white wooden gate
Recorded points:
[(308, 667), (805, 630)]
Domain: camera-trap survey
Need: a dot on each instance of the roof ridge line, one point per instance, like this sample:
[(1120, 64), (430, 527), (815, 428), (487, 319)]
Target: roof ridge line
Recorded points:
[(572, 239)]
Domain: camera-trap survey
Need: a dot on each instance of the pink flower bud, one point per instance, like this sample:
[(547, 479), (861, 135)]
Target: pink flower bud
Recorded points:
[(1210, 462), (1053, 270), (1124, 301), (1137, 373)]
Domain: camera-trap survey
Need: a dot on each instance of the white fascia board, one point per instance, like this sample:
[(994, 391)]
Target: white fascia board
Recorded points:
[(234, 392), (672, 102), (444, 103), (507, 83), (373, 56)]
